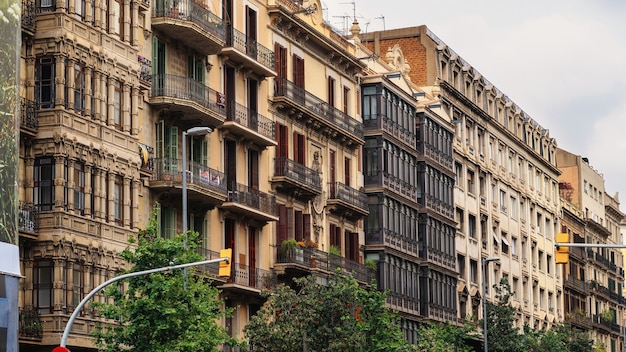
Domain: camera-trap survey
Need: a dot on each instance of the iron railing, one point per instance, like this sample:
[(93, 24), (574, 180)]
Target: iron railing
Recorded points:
[(253, 198), (251, 119), (354, 197), (167, 169), (165, 85), (188, 10), (29, 19), (30, 323), (252, 277), (334, 116), (290, 169), (145, 65), (316, 258), (28, 118), (28, 217), (250, 47)]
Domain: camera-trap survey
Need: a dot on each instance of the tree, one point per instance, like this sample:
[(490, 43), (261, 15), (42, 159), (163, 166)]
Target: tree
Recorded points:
[(336, 316), (162, 311), (444, 338), (502, 334), (561, 338)]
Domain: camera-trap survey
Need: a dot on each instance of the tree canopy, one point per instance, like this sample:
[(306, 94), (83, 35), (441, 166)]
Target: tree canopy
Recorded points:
[(166, 311), (334, 315)]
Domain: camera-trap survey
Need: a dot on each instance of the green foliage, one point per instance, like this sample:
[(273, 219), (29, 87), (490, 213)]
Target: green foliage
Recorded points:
[(162, 311), (288, 248), (334, 250), (561, 338), (445, 337), (338, 316), (9, 104), (502, 334)]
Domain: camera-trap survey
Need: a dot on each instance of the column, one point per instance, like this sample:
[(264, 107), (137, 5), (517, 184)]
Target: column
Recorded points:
[(134, 22), (134, 204), (97, 193), (134, 111), (126, 202), (126, 21), (70, 185), (110, 118), (97, 95), (125, 108), (59, 88), (88, 190), (59, 184), (88, 91)]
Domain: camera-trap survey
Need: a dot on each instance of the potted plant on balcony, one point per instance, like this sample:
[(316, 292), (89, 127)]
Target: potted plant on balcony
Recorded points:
[(289, 248)]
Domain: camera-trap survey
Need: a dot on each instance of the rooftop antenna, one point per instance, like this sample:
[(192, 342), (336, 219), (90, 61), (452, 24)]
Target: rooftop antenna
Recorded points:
[(382, 17), (344, 19), (353, 8)]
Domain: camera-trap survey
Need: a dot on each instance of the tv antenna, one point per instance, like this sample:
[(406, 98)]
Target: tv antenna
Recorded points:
[(382, 17), (353, 8)]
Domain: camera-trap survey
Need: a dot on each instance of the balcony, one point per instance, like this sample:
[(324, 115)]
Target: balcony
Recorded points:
[(30, 324), (145, 72), (375, 179), (307, 260), (209, 270), (248, 52), (347, 201), (249, 124), (28, 117), (191, 99), (403, 303), (296, 179), (247, 202), (29, 18), (244, 278), (376, 122), (190, 24), (28, 218), (144, 5), (317, 114), (575, 283), (204, 185)]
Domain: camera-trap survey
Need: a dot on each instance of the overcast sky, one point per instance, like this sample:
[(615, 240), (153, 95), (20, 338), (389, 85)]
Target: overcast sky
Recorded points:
[(561, 61)]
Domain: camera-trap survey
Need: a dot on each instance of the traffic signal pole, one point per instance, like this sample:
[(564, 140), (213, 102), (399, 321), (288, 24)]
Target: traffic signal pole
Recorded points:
[(82, 303), (589, 245)]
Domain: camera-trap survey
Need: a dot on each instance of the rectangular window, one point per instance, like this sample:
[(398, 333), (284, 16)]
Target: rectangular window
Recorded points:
[(117, 105), (118, 200), (352, 245), (79, 87), (299, 148), (473, 271), (79, 9), (471, 223), (43, 279), (118, 18), (331, 91), (347, 171), (346, 99), (43, 188), (79, 188), (75, 294), (167, 222), (280, 61), (45, 70), (470, 181), (335, 236), (282, 137), (298, 71), (513, 207)]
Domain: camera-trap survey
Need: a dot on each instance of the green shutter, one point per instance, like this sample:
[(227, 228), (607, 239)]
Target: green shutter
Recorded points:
[(204, 157)]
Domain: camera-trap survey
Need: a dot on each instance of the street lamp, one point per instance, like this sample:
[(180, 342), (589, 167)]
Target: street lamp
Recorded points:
[(485, 262), (194, 131)]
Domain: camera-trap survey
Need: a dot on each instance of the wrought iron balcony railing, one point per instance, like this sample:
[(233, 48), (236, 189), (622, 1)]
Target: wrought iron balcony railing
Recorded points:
[(28, 217), (28, 118), (244, 195), (347, 194), (145, 73), (165, 85), (166, 169), (29, 19), (299, 173), (249, 46), (318, 259), (327, 112), (251, 119), (245, 275), (188, 10)]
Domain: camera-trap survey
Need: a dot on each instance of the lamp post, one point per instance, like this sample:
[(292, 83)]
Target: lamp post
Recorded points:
[(194, 131), (484, 265)]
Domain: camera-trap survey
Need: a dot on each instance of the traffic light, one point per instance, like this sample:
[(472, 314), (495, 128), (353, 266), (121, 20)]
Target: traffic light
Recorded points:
[(225, 265), (60, 349), (562, 252)]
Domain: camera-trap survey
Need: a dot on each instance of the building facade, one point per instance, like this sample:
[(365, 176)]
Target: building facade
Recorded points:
[(594, 293), (128, 107), (505, 193)]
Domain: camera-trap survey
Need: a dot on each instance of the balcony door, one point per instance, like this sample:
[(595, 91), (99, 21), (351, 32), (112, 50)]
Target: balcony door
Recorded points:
[(251, 32), (167, 148)]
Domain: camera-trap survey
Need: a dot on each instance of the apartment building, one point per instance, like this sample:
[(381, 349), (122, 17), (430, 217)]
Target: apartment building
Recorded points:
[(599, 308), (250, 111), (505, 194), (316, 168)]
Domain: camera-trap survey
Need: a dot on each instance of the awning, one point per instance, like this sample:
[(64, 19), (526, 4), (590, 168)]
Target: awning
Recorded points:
[(505, 241)]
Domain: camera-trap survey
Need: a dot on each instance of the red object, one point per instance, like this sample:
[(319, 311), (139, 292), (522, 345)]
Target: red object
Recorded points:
[(60, 349)]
